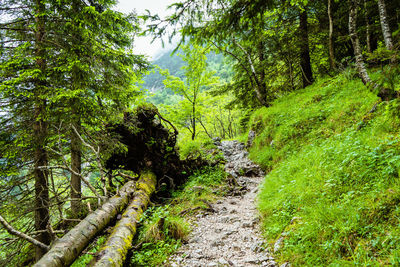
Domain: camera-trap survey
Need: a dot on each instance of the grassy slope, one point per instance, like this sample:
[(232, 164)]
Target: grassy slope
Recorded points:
[(342, 182)]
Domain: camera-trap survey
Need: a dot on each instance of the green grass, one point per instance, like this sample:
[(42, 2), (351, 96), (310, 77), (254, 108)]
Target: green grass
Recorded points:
[(336, 166)]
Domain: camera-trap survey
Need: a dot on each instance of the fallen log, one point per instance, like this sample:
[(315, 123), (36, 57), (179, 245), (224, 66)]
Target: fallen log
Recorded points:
[(115, 249), (66, 249)]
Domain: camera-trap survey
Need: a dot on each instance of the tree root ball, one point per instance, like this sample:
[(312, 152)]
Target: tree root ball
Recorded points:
[(149, 145)]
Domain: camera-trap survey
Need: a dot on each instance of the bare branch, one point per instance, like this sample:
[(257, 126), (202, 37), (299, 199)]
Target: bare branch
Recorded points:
[(12, 231)]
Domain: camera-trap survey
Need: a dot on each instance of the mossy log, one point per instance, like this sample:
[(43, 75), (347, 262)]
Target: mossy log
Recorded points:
[(114, 251), (66, 249)]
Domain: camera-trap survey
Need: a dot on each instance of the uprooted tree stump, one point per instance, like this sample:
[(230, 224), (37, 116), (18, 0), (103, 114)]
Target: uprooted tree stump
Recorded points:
[(150, 145)]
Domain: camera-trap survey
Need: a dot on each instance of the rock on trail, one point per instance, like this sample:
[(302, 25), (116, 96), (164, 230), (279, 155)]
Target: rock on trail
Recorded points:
[(229, 236)]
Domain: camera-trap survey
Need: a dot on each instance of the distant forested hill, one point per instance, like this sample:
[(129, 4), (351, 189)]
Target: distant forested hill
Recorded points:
[(173, 62)]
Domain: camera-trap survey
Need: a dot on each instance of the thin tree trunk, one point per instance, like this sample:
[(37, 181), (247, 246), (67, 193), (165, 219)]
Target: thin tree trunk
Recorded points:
[(40, 132), (66, 249), (258, 86), (76, 143), (261, 58), (331, 48), (305, 61), (114, 250), (362, 71), (368, 27), (387, 34), (204, 127), (76, 162), (194, 120)]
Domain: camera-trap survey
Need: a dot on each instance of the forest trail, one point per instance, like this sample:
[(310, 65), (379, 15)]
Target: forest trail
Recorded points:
[(229, 236)]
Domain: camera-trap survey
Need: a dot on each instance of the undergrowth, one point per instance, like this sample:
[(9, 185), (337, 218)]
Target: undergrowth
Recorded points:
[(333, 185), (163, 228), (87, 256)]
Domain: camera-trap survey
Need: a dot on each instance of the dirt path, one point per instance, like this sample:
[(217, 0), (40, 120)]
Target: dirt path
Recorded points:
[(229, 236)]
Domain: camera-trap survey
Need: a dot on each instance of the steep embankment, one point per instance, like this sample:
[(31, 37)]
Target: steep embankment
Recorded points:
[(332, 194)]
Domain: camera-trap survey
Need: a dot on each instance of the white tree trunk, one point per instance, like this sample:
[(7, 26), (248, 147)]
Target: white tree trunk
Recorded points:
[(362, 70), (387, 34)]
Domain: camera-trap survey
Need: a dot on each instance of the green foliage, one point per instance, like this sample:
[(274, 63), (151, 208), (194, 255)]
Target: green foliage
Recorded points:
[(159, 224), (339, 180), (197, 79), (86, 258)]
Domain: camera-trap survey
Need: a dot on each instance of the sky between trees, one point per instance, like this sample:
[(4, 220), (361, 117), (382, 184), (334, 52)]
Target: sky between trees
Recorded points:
[(143, 45)]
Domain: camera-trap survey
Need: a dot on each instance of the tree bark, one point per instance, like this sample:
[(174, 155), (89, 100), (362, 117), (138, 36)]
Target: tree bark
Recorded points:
[(362, 71), (40, 132), (305, 61), (66, 249), (387, 34), (76, 143), (331, 48), (194, 119), (76, 162), (114, 251), (368, 27)]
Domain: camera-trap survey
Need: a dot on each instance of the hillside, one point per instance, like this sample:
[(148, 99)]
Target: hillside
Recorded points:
[(332, 194), (173, 62)]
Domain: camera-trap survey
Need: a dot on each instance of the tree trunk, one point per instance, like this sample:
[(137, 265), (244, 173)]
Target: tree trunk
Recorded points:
[(368, 27), (113, 252), (387, 34), (40, 132), (305, 61), (194, 119), (76, 143), (261, 58), (331, 49), (362, 71), (66, 249), (76, 162)]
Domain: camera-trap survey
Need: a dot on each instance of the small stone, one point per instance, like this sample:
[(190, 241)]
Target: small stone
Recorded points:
[(195, 240), (233, 211), (218, 230), (229, 232), (217, 243), (234, 219), (286, 264), (256, 248), (294, 219), (252, 260), (236, 248), (222, 261), (224, 219), (233, 202), (278, 244), (197, 256), (246, 224)]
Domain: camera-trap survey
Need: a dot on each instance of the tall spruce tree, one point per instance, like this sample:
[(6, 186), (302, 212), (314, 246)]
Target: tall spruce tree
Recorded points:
[(62, 62)]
